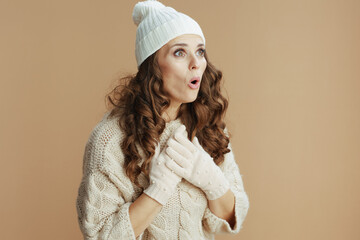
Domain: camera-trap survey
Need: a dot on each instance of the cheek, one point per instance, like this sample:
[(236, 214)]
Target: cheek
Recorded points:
[(203, 66), (173, 75)]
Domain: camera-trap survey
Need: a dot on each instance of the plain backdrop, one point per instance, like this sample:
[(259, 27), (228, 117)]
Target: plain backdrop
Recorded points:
[(291, 72)]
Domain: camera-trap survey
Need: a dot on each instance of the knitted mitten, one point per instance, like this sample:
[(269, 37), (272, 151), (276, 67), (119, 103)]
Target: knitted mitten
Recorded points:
[(190, 161), (163, 181)]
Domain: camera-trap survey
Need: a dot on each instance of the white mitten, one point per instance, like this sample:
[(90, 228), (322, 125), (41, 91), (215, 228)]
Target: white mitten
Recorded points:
[(190, 161), (163, 181)]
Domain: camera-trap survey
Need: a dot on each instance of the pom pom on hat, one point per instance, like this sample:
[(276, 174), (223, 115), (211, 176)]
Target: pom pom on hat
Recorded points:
[(158, 24), (142, 9)]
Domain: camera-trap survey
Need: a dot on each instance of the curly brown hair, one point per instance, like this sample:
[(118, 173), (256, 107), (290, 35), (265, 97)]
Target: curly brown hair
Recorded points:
[(139, 101)]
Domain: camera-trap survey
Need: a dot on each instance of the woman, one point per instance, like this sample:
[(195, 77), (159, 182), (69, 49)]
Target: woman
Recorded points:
[(159, 165)]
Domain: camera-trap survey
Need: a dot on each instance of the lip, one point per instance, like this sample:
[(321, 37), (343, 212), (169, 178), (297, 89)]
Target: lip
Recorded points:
[(195, 85)]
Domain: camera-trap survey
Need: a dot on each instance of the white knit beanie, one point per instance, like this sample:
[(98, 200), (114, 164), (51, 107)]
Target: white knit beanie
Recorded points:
[(157, 25)]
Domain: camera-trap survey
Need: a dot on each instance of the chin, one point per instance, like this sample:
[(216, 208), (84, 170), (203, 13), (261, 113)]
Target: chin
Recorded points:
[(190, 100), (187, 98)]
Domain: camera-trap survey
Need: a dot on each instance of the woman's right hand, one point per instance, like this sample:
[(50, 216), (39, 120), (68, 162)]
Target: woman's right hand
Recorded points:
[(163, 181), (190, 161)]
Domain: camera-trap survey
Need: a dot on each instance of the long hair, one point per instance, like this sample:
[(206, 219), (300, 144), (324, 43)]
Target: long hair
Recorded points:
[(139, 101)]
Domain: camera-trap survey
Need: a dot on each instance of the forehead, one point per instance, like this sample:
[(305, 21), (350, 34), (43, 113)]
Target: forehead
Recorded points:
[(186, 38)]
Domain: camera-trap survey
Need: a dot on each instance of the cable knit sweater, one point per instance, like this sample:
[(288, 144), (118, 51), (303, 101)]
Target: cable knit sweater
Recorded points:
[(105, 194)]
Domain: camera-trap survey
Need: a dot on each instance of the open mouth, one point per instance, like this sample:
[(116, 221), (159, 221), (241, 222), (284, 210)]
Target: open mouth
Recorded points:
[(194, 83)]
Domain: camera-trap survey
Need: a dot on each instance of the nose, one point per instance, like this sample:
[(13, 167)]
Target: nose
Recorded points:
[(194, 62)]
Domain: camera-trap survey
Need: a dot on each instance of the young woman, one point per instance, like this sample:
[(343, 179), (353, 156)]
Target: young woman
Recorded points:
[(159, 165)]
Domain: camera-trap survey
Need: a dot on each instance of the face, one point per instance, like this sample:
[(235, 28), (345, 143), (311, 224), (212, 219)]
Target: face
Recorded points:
[(182, 64)]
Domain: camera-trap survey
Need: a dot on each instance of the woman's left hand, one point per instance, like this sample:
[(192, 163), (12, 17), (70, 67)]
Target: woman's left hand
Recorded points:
[(190, 161)]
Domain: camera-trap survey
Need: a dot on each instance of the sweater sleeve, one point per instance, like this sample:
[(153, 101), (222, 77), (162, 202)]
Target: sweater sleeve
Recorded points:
[(102, 212), (103, 199), (214, 224)]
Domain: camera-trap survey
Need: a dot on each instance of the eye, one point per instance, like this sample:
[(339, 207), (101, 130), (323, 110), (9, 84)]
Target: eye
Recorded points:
[(201, 52), (179, 53)]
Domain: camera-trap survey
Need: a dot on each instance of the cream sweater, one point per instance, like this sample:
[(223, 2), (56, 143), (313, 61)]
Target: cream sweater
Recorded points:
[(105, 194)]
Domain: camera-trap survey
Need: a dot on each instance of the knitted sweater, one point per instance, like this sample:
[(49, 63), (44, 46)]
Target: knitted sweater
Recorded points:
[(105, 194)]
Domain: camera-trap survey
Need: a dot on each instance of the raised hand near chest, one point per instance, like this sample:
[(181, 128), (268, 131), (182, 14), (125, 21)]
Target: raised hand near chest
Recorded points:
[(163, 181), (190, 161)]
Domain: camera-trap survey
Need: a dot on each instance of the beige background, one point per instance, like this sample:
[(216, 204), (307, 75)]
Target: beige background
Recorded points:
[(292, 73)]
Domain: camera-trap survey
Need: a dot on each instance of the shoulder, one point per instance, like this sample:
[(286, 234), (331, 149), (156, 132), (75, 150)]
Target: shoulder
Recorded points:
[(104, 132), (103, 145)]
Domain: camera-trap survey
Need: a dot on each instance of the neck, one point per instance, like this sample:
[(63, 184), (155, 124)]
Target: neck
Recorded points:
[(171, 112)]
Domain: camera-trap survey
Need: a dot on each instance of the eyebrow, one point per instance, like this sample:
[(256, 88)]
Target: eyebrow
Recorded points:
[(185, 45)]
